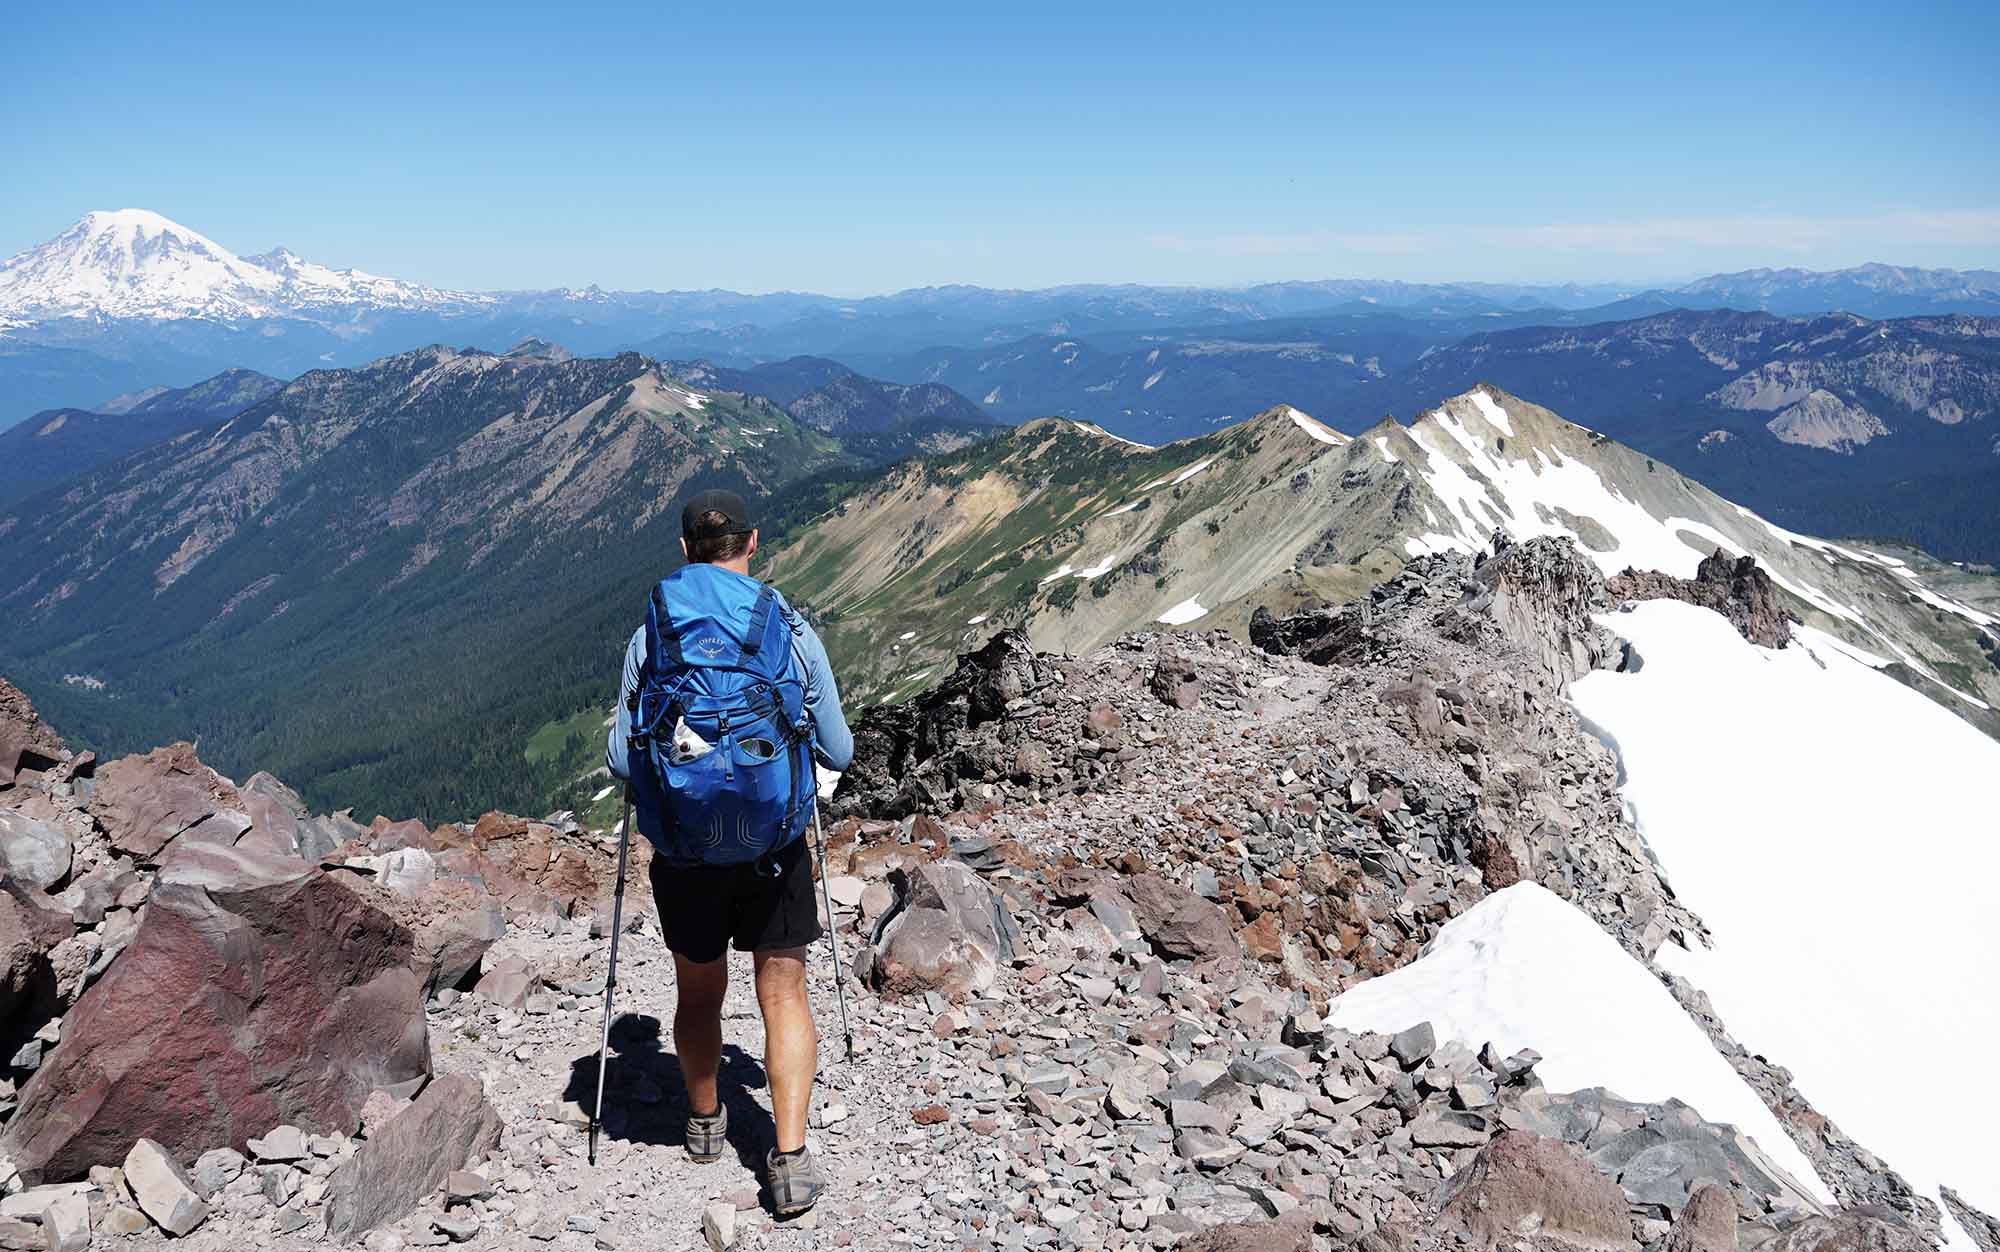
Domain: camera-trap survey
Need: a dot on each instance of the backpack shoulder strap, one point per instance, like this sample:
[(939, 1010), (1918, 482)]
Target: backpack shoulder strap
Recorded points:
[(760, 620), (663, 642)]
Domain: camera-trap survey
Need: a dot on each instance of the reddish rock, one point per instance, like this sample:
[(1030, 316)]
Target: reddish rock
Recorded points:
[(387, 836), (1291, 1233), (1176, 682), (26, 741), (1176, 921), (146, 802), (930, 1115), (257, 991), (1732, 586), (528, 866), (1707, 1224), (1262, 940), (1522, 1181)]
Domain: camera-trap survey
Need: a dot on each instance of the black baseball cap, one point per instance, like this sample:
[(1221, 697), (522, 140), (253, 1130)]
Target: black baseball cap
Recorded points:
[(727, 503)]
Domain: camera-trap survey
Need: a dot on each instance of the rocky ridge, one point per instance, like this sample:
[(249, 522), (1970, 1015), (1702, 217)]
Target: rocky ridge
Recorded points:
[(1095, 908)]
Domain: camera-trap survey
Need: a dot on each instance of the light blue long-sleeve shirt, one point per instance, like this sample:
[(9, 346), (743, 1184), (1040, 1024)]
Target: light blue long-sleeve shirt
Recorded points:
[(833, 742)]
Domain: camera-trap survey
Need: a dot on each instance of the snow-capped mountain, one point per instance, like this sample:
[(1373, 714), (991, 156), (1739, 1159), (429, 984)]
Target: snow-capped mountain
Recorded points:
[(132, 263)]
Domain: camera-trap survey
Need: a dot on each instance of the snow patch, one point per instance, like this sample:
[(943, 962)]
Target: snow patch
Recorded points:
[(1317, 429), (1181, 614), (906, 636), (1826, 789), (1382, 442), (976, 618), (1176, 480), (1495, 416), (1524, 968)]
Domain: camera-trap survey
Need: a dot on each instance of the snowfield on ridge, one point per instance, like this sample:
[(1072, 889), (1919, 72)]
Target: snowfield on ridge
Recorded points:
[(1791, 796)]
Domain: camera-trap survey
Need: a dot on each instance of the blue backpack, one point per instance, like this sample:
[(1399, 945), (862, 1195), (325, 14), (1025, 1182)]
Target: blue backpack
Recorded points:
[(719, 716)]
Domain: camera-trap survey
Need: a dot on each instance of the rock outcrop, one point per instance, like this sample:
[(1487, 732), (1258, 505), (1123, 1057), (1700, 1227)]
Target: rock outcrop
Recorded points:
[(1736, 587), (227, 1014), (1521, 1183), (146, 802), (26, 741), (974, 728)]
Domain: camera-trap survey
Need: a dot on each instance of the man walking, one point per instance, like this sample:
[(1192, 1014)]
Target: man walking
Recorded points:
[(726, 699)]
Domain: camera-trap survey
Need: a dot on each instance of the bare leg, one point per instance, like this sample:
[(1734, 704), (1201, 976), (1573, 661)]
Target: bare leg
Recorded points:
[(791, 1045), (698, 1027)]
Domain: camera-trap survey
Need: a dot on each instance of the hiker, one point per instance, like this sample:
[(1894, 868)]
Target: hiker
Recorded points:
[(734, 699)]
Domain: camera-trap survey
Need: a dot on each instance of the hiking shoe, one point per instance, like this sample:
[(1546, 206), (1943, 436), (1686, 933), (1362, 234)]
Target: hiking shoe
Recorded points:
[(795, 1181), (708, 1137)]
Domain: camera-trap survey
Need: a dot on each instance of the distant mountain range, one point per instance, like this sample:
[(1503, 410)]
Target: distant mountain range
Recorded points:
[(1833, 424), (400, 535), (57, 444), (128, 299)]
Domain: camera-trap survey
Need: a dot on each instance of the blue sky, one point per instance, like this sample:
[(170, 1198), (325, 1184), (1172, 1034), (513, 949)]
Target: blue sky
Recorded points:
[(852, 152)]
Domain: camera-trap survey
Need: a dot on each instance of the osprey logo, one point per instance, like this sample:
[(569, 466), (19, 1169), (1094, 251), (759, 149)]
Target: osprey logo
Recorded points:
[(711, 647)]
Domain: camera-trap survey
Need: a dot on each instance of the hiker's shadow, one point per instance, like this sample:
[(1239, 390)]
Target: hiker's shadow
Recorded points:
[(645, 1099)]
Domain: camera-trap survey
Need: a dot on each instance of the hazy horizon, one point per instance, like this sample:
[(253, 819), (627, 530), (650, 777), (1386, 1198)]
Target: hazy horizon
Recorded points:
[(800, 149)]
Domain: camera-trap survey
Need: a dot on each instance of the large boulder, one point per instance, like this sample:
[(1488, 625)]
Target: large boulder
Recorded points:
[(146, 802), (257, 991), (948, 933), (1176, 921), (1522, 1183), (277, 816), (1707, 1224), (33, 852), (29, 931), (448, 1127), (26, 741)]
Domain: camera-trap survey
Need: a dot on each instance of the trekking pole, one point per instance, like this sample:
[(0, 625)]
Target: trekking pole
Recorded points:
[(611, 971), (832, 932)]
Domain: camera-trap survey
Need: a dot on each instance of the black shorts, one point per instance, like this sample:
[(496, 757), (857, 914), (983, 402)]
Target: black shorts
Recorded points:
[(704, 908)]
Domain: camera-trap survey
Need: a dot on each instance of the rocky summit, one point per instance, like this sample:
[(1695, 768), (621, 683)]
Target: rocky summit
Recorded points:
[(1104, 917)]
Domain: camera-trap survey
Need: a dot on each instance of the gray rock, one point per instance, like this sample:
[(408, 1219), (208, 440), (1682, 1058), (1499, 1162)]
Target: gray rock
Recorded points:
[(163, 1189), (718, 1225), (1414, 1046), (34, 852), (1449, 1130), (457, 1226), (66, 1224), (216, 1169), (443, 1129), (284, 1143), (407, 871), (950, 933)]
